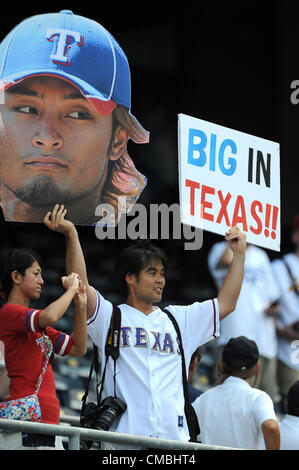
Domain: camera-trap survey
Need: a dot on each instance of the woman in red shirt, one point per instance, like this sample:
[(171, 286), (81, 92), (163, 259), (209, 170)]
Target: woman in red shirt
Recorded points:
[(26, 333)]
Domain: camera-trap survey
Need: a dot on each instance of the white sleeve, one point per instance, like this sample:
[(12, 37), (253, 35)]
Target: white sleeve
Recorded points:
[(98, 324), (263, 409), (281, 275), (271, 286), (198, 322)]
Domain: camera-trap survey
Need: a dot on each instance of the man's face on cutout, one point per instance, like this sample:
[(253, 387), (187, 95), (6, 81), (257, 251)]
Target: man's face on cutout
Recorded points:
[(53, 144)]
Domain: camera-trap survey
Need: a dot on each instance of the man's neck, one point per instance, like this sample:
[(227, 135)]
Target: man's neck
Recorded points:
[(141, 305)]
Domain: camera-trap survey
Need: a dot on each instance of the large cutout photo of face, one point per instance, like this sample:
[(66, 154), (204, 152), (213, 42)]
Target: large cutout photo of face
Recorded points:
[(65, 120)]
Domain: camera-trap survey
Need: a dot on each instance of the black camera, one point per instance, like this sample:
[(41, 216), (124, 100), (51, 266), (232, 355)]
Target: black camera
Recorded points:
[(102, 416)]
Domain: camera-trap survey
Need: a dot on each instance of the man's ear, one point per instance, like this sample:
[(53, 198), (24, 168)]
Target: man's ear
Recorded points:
[(118, 143), (130, 279)]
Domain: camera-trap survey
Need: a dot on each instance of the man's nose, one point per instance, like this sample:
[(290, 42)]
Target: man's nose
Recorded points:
[(47, 136)]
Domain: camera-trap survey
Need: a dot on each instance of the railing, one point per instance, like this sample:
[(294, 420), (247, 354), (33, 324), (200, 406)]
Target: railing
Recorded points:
[(75, 433)]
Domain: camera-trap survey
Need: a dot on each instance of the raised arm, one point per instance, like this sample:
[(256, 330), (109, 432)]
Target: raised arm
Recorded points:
[(75, 261), (55, 310), (230, 290), (79, 334)]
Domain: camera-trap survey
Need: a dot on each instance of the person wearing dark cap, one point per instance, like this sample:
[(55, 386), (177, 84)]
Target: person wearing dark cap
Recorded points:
[(286, 271), (234, 413), (289, 426), (65, 121)]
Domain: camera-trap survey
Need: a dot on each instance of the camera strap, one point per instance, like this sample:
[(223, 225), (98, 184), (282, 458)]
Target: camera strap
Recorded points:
[(291, 276), (111, 349), (190, 414), (112, 346)]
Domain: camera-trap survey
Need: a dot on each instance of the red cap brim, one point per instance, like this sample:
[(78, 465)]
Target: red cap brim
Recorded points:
[(102, 107)]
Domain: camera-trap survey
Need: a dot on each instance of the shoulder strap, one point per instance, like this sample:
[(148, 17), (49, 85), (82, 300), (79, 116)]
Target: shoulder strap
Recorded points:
[(112, 346), (113, 336), (191, 418), (47, 344), (291, 276), (43, 371), (177, 329)]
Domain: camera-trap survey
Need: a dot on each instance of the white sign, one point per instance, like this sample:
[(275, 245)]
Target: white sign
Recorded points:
[(228, 178)]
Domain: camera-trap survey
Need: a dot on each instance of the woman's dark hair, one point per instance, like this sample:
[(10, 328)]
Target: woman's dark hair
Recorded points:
[(133, 259), (224, 371), (19, 260)]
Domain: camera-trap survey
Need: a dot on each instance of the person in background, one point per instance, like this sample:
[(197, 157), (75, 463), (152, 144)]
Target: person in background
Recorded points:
[(193, 392), (254, 316), (286, 271), (289, 426), (234, 413)]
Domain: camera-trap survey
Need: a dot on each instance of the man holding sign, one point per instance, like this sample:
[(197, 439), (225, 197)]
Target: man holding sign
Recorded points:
[(148, 371)]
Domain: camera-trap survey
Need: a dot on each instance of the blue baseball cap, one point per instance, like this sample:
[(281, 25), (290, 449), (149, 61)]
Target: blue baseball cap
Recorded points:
[(73, 48)]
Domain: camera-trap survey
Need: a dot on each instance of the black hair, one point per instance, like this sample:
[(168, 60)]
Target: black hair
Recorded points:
[(239, 358), (197, 353), (293, 400), (133, 259), (19, 260)]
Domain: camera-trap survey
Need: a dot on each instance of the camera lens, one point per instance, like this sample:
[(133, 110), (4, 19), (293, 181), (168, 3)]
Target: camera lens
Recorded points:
[(106, 419), (109, 410)]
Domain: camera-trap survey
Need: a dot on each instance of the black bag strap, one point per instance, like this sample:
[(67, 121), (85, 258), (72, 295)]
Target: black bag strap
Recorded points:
[(192, 422), (111, 349), (291, 276)]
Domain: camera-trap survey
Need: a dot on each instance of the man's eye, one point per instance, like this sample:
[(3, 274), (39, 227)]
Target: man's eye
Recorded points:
[(26, 109), (79, 115)]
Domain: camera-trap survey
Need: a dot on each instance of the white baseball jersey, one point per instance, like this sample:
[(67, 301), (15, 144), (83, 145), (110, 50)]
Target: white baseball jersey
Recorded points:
[(149, 367), (288, 307)]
